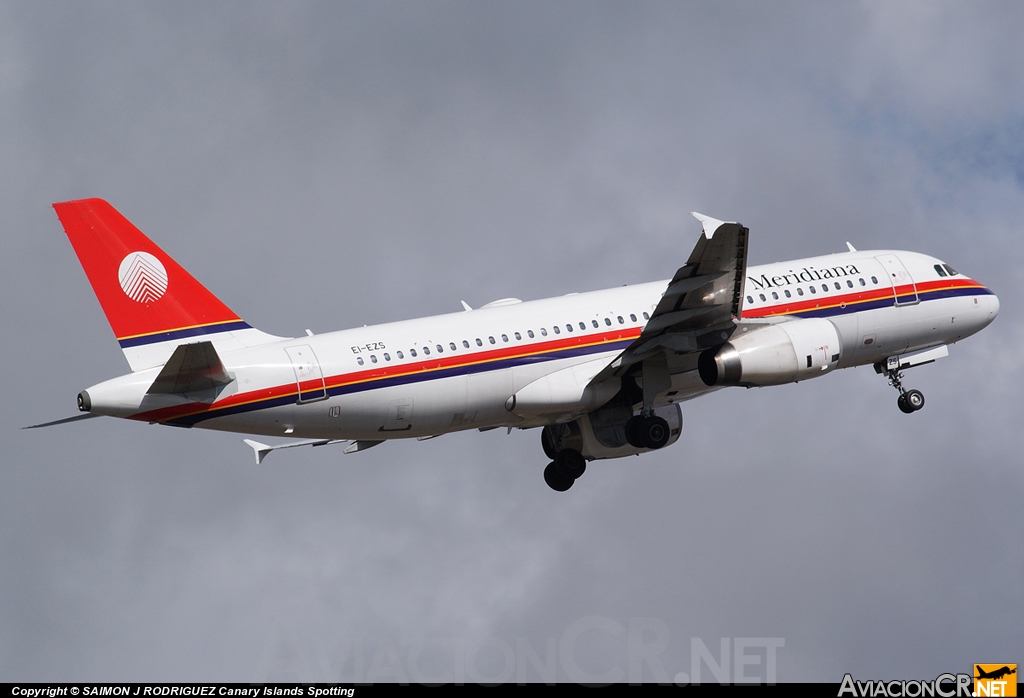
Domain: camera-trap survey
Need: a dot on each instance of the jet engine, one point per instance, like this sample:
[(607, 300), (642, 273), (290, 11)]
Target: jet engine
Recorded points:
[(773, 355)]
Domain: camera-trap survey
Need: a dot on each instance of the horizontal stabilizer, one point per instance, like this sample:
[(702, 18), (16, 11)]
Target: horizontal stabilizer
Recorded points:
[(191, 368), (76, 418)]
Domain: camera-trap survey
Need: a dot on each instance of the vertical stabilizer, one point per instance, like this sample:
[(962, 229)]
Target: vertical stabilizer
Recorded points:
[(151, 302)]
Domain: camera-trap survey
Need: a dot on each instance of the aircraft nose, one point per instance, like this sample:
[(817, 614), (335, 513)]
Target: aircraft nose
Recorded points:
[(993, 306)]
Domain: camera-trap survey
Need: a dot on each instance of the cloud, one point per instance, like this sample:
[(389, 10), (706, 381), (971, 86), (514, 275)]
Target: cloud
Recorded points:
[(328, 166)]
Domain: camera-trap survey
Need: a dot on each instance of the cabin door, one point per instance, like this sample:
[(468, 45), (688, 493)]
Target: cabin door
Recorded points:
[(309, 378), (903, 285)]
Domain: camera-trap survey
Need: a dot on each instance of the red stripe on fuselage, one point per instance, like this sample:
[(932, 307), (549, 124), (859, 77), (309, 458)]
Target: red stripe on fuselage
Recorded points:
[(847, 299), (392, 371)]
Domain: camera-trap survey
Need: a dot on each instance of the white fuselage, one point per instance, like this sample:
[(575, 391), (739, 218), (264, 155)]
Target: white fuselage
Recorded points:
[(460, 371)]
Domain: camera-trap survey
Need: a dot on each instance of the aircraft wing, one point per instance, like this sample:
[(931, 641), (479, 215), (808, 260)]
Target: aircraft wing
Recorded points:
[(698, 310)]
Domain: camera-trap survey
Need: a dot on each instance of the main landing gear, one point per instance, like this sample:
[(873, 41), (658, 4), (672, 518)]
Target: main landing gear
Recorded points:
[(909, 400), (563, 444), (567, 466)]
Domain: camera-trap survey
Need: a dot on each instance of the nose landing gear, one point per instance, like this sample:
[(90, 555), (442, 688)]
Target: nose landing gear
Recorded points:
[(909, 400)]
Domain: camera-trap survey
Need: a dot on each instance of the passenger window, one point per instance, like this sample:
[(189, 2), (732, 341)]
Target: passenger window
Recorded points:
[(824, 288), (761, 296), (529, 333), (478, 342), (400, 354), (838, 287), (788, 294), (621, 321), (608, 321), (568, 327), (583, 326), (504, 337), (543, 332), (426, 351), (646, 316), (359, 360), (412, 353), (557, 331), (440, 349), (594, 322), (812, 289), (519, 337), (862, 282), (632, 317), (373, 358), (849, 283), (799, 291), (491, 340), (874, 280), (452, 345), (775, 295), (387, 356), (749, 299), (465, 344)]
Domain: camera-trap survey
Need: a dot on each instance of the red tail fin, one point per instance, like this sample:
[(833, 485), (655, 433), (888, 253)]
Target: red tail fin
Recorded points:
[(148, 298)]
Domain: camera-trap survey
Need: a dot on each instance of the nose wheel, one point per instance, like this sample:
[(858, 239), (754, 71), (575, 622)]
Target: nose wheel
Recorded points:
[(909, 400)]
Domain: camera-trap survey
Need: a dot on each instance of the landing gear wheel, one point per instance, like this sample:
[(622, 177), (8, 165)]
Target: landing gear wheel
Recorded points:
[(633, 431), (654, 432), (571, 463), (914, 400), (909, 400), (555, 479)]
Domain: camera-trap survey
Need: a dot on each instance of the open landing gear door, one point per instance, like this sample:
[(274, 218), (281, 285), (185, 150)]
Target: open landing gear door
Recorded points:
[(308, 376)]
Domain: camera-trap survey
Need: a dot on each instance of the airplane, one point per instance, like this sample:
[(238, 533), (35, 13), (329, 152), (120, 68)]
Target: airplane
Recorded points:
[(602, 374), (996, 673)]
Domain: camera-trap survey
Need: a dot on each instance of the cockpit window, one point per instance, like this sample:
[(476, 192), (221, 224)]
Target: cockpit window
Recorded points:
[(951, 270), (939, 270)]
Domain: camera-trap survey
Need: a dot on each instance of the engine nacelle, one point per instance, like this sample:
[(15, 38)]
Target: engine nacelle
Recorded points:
[(602, 433), (784, 353)]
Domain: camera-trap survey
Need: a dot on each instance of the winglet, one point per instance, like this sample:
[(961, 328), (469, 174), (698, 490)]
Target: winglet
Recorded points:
[(361, 445), (261, 450), (710, 224), (465, 306)]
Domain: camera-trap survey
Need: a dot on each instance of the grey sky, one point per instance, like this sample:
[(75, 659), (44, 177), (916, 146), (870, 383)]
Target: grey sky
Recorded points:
[(333, 165)]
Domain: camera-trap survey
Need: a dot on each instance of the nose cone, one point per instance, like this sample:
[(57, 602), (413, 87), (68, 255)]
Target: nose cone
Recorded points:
[(990, 304)]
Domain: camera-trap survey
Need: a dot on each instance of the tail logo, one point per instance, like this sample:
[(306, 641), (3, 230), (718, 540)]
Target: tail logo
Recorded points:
[(142, 276)]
